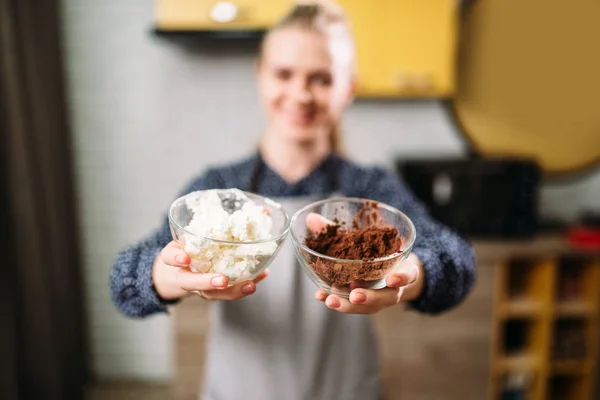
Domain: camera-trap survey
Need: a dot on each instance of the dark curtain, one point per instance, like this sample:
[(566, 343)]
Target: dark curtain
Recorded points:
[(42, 326)]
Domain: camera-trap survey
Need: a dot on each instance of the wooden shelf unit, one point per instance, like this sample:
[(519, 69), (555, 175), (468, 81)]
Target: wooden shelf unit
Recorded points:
[(545, 326)]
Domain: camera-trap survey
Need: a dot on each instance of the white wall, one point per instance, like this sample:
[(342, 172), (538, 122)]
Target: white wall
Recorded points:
[(148, 115)]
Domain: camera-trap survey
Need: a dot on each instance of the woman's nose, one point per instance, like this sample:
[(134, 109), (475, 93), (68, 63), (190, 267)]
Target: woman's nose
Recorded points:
[(305, 96), (302, 94)]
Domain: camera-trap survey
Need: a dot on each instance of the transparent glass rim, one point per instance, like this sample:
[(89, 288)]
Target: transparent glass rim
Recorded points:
[(392, 256), (267, 200)]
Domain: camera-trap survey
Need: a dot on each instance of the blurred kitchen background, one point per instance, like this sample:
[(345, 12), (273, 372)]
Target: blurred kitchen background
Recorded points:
[(487, 108)]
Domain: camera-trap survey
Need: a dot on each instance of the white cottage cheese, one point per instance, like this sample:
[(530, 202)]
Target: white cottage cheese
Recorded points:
[(210, 220)]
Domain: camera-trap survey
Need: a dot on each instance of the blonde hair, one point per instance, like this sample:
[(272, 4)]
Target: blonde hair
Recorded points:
[(313, 15), (325, 17)]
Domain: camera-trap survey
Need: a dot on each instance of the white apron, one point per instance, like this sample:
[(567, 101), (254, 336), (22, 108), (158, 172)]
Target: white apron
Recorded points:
[(282, 344)]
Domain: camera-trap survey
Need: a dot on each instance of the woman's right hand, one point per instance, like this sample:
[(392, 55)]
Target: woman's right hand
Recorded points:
[(173, 278)]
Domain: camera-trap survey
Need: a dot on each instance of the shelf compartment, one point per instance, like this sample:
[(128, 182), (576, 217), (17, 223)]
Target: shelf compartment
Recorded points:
[(516, 385), (577, 283), (571, 367), (567, 388), (519, 336), (571, 340), (519, 350), (528, 281)]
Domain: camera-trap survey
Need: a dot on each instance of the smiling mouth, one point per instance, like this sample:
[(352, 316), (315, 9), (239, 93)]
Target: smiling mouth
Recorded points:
[(301, 118)]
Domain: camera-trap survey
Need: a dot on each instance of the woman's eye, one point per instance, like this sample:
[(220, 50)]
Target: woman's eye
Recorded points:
[(321, 79), (283, 74)]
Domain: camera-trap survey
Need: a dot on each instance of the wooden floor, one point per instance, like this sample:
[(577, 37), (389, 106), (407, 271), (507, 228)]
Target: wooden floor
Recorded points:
[(129, 391), (424, 358)]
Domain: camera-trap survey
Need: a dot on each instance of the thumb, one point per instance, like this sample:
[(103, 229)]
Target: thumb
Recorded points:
[(407, 273), (174, 255), (317, 223)]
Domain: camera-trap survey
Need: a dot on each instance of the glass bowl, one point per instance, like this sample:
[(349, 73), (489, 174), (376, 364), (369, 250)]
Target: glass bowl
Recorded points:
[(339, 276), (241, 259)]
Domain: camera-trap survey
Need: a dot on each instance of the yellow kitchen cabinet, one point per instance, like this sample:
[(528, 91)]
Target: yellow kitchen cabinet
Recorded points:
[(213, 15), (406, 48)]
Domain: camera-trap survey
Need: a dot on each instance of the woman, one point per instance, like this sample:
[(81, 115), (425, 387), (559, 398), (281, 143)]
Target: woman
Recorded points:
[(277, 340)]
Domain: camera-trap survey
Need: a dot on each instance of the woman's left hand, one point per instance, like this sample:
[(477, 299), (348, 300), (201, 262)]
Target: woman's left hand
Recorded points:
[(404, 284)]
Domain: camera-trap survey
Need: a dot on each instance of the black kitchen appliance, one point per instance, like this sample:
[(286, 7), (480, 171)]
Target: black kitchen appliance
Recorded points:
[(478, 197)]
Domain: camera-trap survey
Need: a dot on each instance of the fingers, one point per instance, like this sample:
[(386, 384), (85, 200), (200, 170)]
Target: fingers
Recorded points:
[(173, 255), (407, 273), (234, 292), (317, 223), (361, 301), (345, 306), (263, 275), (321, 295), (231, 293), (380, 298), (173, 268), (336, 303), (368, 301), (193, 281)]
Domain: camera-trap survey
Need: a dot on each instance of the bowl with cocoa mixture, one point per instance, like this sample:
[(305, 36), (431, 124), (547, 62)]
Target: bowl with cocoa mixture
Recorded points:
[(344, 243)]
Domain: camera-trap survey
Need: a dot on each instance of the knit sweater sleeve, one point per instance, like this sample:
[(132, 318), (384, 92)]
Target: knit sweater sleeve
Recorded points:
[(131, 286), (448, 259)]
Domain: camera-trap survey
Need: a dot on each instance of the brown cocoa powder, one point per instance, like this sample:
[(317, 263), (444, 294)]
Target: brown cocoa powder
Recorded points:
[(369, 238)]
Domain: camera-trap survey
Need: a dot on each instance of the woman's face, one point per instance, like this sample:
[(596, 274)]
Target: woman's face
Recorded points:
[(304, 82)]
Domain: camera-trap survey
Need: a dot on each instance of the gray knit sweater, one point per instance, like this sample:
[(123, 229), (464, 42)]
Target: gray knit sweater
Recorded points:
[(448, 260)]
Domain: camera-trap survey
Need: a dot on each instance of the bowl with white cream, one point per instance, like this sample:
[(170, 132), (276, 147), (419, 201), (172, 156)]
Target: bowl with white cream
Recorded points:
[(229, 231)]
